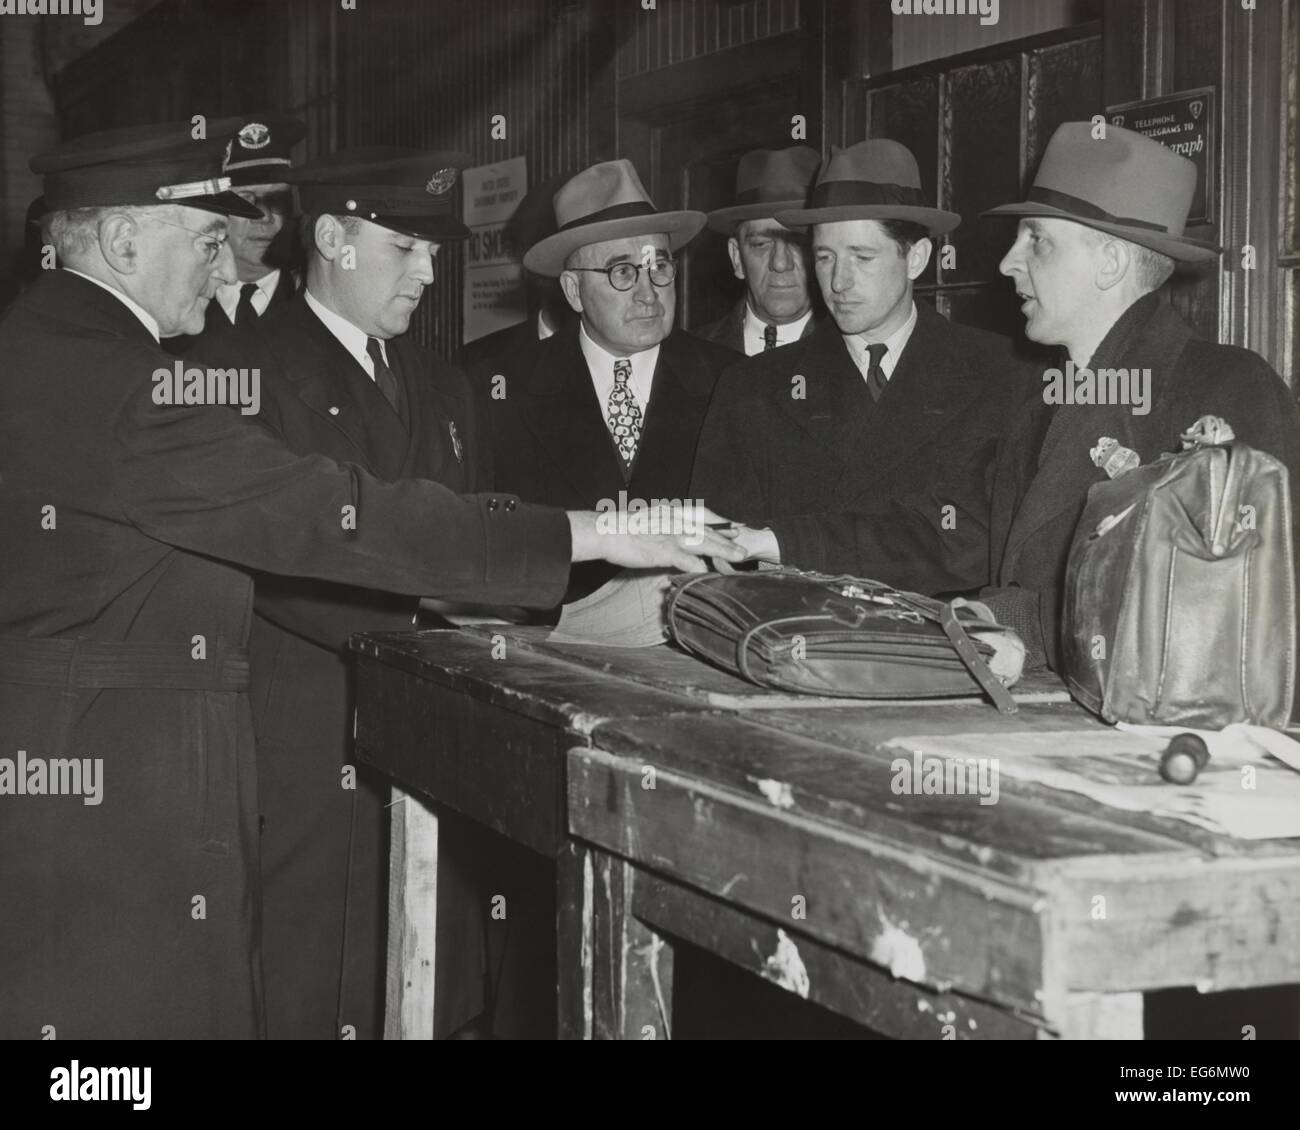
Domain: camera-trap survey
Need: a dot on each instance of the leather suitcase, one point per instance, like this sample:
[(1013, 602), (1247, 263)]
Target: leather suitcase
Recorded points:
[(1180, 603), (843, 636)]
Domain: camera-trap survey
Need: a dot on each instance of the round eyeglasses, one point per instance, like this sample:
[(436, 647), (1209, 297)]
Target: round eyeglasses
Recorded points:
[(623, 276)]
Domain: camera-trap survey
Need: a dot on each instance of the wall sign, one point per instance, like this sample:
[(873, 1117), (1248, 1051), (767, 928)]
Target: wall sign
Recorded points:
[(494, 289), (1184, 122)]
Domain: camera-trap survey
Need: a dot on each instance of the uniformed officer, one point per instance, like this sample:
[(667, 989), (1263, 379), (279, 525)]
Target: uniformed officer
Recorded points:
[(266, 264), (340, 377), (128, 871)]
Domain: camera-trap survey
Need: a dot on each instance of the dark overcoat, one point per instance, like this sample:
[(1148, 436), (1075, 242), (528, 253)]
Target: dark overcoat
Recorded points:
[(1044, 469), (125, 607), (896, 490), (729, 330)]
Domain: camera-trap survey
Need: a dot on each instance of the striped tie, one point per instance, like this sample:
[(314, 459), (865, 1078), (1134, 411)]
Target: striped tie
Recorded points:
[(624, 414)]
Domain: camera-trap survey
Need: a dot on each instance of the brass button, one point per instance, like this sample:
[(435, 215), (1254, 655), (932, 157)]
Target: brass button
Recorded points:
[(511, 503), (492, 504)]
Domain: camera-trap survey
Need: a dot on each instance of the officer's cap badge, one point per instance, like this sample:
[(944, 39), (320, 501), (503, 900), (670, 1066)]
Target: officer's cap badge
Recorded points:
[(441, 182), (255, 136)]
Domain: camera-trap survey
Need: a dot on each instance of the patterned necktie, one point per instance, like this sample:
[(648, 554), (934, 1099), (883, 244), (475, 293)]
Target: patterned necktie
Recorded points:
[(244, 311), (623, 413), (383, 374), (875, 374), (769, 338)]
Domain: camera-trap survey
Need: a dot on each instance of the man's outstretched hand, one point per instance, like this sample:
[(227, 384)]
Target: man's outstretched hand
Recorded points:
[(665, 537)]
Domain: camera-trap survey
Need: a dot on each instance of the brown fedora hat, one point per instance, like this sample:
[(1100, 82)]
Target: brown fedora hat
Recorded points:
[(768, 181), (606, 201), (875, 179), (1124, 184)]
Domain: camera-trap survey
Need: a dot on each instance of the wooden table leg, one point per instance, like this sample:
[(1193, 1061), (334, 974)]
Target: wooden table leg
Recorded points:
[(573, 942), (632, 965), (412, 919)]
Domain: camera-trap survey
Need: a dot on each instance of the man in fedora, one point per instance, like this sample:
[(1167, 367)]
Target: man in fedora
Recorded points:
[(862, 447), (610, 407), (265, 261), (769, 258), (131, 905), (1100, 232)]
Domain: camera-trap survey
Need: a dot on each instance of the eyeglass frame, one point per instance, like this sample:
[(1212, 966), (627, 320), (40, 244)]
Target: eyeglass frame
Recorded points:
[(221, 241), (608, 272)]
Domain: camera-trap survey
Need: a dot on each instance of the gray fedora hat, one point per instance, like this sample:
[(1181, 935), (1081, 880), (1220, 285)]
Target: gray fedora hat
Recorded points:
[(606, 201), (768, 181), (875, 179)]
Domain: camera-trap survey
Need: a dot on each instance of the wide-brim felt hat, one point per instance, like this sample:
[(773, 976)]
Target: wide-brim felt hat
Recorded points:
[(768, 181), (141, 166), (604, 202), (1124, 184), (876, 179)]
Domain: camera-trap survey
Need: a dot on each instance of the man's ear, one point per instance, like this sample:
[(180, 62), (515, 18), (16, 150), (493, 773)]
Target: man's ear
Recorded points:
[(1113, 263), (572, 295), (737, 263), (119, 242), (329, 237), (918, 256)]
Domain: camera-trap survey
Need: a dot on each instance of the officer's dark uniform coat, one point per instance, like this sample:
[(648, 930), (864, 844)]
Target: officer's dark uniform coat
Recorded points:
[(216, 324), (319, 399), (125, 607)]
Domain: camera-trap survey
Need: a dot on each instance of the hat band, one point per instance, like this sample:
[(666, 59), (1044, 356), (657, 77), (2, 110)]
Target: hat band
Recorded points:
[(1080, 207), (839, 193), (254, 163), (378, 198), (769, 194), (613, 212)]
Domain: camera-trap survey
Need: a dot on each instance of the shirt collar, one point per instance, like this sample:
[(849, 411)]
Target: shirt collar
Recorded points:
[(351, 338), (894, 344), (228, 293), (146, 319), (755, 329), (602, 361)]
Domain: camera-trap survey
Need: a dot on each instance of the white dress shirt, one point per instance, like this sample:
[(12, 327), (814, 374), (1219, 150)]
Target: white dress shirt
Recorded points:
[(228, 294), (894, 346), (755, 327), (543, 330), (146, 319), (600, 365), (351, 338)]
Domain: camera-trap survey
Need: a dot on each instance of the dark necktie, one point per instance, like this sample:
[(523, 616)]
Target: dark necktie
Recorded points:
[(383, 374), (244, 312), (875, 374), (769, 338)]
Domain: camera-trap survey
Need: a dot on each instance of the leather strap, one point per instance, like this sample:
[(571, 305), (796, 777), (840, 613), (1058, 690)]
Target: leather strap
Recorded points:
[(974, 664)]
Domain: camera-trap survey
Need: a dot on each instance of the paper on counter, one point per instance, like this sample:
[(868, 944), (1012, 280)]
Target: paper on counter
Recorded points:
[(1122, 770), (627, 611)]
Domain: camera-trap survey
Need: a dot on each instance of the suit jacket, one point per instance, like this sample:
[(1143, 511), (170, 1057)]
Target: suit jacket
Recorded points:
[(1044, 470), (549, 437), (894, 490), (216, 324), (125, 604), (729, 330), (511, 346), (324, 849)]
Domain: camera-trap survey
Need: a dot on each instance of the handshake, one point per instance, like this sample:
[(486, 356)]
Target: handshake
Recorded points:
[(667, 535)]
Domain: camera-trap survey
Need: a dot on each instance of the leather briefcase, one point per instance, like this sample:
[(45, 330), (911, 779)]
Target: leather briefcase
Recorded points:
[(843, 636), (1180, 589)]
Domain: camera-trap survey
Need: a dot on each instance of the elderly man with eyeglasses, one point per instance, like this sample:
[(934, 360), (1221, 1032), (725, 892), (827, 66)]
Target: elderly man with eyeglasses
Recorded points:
[(608, 410)]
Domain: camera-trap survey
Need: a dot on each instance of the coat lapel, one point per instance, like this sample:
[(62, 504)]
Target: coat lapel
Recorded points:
[(835, 400), (1149, 336), (679, 398), (927, 388), (560, 408)]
